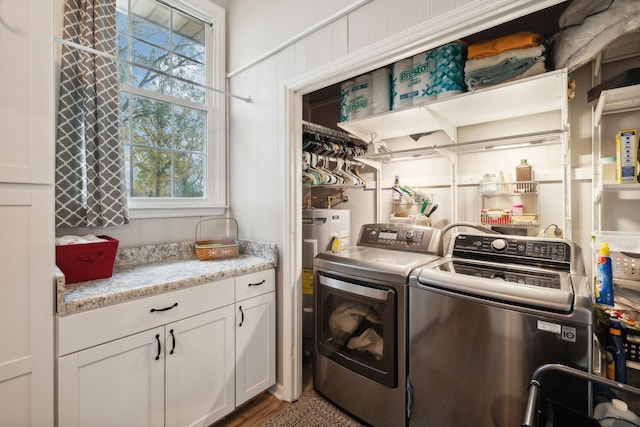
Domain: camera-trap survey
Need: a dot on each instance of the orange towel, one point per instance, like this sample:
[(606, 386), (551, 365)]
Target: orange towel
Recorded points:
[(512, 41)]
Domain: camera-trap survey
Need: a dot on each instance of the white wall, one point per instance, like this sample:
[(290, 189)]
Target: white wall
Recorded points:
[(260, 26), (263, 152)]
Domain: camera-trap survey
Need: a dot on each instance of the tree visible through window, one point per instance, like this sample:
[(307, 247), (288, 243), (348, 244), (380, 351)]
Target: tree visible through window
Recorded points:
[(165, 117)]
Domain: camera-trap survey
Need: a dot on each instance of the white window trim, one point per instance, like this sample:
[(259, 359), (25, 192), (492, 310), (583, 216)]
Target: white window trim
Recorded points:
[(217, 198)]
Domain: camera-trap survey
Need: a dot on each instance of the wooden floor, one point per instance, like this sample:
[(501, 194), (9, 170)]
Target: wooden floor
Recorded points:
[(255, 412), (262, 407)]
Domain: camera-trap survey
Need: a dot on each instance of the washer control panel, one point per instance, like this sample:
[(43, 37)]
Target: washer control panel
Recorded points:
[(483, 246), (399, 237)]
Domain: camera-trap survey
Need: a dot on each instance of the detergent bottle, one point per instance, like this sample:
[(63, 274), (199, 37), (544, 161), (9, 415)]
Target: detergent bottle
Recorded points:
[(604, 277)]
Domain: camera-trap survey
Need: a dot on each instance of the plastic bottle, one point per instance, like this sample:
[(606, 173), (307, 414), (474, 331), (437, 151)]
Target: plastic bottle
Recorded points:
[(608, 414), (396, 195), (616, 357), (604, 277), (523, 171)]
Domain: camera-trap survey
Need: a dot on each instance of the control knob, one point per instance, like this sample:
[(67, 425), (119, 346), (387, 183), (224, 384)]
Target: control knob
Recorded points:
[(499, 245), (409, 235)]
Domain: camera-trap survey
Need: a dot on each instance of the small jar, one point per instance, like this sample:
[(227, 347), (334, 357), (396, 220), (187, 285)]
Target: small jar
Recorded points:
[(489, 184)]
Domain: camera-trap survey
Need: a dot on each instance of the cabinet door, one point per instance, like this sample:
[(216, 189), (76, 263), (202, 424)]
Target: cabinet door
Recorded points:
[(255, 346), (199, 368), (27, 119), (26, 306), (120, 383)]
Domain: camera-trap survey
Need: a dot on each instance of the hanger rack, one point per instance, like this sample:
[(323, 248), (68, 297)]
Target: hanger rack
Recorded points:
[(317, 129)]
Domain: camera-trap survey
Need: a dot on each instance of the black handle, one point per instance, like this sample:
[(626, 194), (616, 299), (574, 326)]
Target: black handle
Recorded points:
[(257, 284), (173, 338), (242, 318), (153, 310), (159, 348)]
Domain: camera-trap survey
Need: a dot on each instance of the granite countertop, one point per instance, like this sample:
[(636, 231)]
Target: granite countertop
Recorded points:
[(151, 270)]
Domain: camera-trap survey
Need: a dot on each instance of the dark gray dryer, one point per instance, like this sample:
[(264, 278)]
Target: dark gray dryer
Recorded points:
[(360, 359)]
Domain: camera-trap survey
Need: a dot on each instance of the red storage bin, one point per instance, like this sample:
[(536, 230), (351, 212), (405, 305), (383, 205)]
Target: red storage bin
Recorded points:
[(81, 262)]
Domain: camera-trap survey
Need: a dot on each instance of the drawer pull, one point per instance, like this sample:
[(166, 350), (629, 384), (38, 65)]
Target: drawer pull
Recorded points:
[(153, 310), (257, 284), (173, 338), (242, 317), (159, 347)]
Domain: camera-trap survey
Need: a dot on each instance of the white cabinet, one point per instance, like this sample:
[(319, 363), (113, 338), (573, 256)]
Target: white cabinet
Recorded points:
[(26, 306), (117, 383), (26, 212), (255, 334), (183, 370), (164, 360), (199, 353), (183, 358)]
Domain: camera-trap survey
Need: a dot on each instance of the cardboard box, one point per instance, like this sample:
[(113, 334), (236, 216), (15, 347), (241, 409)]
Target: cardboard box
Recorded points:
[(627, 156), (82, 262)]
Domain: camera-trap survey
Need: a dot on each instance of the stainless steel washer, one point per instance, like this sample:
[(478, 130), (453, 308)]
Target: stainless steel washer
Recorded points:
[(360, 359), (484, 317)]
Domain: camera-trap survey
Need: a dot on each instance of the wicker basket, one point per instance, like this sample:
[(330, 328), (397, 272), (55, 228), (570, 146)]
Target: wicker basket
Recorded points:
[(217, 248)]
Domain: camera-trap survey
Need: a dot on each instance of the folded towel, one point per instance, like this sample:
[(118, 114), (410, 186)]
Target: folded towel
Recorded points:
[(501, 44), (72, 240), (537, 68), (494, 60), (498, 74)]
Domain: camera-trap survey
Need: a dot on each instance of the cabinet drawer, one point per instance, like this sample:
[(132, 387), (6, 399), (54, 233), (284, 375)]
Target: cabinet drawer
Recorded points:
[(90, 328), (255, 284)]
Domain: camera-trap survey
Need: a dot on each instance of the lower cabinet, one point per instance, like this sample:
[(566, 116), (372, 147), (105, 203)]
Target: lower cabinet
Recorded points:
[(255, 346), (190, 370), (183, 371)]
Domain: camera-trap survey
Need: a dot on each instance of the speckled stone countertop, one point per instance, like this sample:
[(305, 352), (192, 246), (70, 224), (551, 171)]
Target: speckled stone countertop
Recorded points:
[(151, 270)]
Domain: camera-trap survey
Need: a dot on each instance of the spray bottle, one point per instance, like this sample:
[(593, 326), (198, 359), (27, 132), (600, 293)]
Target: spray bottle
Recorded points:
[(604, 277)]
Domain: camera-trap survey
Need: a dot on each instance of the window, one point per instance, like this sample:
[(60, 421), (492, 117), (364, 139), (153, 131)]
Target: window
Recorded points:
[(175, 160)]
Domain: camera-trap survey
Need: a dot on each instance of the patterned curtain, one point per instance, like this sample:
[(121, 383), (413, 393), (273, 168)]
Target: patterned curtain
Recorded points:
[(90, 174)]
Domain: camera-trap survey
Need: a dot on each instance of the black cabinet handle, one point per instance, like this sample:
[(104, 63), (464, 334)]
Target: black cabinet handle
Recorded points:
[(159, 347), (242, 318), (257, 284), (173, 338), (153, 310)]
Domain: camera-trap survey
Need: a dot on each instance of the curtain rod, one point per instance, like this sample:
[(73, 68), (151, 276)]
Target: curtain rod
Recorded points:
[(125, 61)]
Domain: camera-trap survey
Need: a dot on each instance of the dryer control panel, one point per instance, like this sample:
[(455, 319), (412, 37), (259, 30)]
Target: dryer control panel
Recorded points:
[(400, 237)]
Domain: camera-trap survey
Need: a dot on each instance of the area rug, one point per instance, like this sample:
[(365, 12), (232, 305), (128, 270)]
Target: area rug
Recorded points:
[(312, 410)]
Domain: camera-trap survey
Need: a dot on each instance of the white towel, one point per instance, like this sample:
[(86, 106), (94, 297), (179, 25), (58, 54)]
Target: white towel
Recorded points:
[(72, 239)]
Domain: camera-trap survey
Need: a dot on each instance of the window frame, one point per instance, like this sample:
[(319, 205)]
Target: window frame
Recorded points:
[(215, 201)]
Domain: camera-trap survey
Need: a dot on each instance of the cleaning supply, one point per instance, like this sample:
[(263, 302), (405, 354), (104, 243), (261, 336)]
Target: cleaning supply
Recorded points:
[(604, 277), (627, 156), (608, 414), (616, 357)]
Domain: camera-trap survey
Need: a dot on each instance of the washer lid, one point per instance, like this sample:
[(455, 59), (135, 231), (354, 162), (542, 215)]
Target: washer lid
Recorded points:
[(538, 288), (374, 263)]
